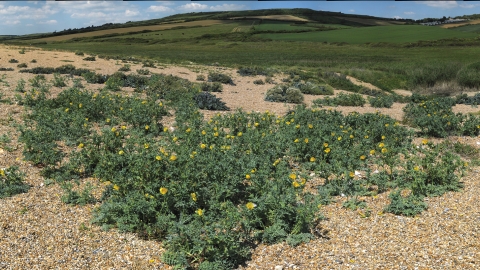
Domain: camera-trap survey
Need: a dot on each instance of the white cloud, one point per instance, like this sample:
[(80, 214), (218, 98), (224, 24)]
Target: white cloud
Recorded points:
[(131, 13), (440, 4), (397, 17), (14, 22), (49, 22), (468, 5), (409, 12), (351, 10), (227, 7), (192, 7), (88, 15), (159, 9)]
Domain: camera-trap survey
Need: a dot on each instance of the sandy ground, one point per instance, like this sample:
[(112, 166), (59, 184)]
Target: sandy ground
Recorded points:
[(38, 231)]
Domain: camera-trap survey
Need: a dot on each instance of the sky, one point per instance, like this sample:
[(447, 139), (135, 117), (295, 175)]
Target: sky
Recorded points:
[(26, 17)]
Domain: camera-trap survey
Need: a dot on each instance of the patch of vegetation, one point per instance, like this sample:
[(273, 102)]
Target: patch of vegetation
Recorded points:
[(220, 77), (313, 88), (143, 71), (33, 61), (211, 87), (22, 65), (339, 81), (258, 82), (207, 101), (6, 69), (383, 101), (125, 68), (284, 93), (89, 58), (79, 53), (58, 80), (255, 71), (342, 99), (12, 182), (13, 61)]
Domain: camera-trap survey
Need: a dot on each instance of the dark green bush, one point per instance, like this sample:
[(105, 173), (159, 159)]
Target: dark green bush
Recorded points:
[(207, 101), (143, 71), (254, 71), (13, 61), (125, 67), (284, 93), (259, 81), (89, 58), (6, 69), (79, 53), (148, 63), (22, 65), (92, 77), (469, 76), (313, 88)]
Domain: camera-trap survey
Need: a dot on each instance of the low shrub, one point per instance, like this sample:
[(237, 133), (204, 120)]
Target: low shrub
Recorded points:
[(200, 77), (384, 101), (33, 61), (314, 88), (22, 65), (468, 100), (58, 81), (219, 77), (284, 93), (255, 71), (148, 63), (79, 53), (92, 77), (125, 67), (342, 99), (258, 82), (207, 101), (12, 182), (6, 69), (89, 58), (13, 61), (143, 71), (339, 81), (211, 87)]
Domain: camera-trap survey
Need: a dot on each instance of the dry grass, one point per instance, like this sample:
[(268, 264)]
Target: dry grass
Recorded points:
[(452, 25)]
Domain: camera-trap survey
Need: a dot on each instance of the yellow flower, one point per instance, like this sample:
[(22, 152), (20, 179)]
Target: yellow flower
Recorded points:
[(199, 212), (147, 127), (247, 176), (204, 132), (312, 159), (212, 146), (366, 137), (203, 146), (351, 136), (158, 158), (163, 190), (381, 145), (310, 126), (66, 110), (327, 150), (121, 152), (288, 123), (194, 196), (362, 157), (351, 174), (165, 129), (253, 170), (113, 129), (215, 134), (173, 158), (306, 140), (175, 139), (424, 141), (386, 125), (416, 168), (250, 205), (239, 134), (188, 130), (339, 138), (296, 141), (384, 150), (80, 105), (372, 152), (108, 120), (80, 145), (297, 126), (146, 145), (2, 172), (293, 176), (256, 124), (325, 144), (116, 187), (295, 184), (124, 127), (383, 137)]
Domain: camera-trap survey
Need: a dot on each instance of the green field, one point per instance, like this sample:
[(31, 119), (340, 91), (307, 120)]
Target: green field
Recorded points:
[(394, 34), (473, 28)]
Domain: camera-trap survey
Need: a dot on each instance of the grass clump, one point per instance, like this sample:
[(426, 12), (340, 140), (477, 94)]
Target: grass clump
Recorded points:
[(125, 68), (143, 71), (22, 65), (255, 71), (12, 182), (339, 81), (79, 53), (13, 61), (313, 88), (6, 69), (200, 77), (284, 93)]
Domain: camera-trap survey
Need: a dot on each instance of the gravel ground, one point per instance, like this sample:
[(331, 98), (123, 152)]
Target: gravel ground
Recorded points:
[(38, 231)]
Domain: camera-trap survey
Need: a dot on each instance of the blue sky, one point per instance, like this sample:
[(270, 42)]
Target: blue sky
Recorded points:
[(25, 17)]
